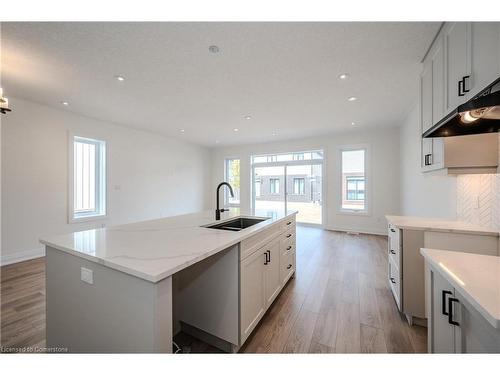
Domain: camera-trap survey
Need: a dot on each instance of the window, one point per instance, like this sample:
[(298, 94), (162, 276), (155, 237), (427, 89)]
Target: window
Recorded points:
[(274, 185), (257, 188), (293, 156), (353, 180), (355, 188), (298, 156), (232, 176), (88, 179), (299, 186)]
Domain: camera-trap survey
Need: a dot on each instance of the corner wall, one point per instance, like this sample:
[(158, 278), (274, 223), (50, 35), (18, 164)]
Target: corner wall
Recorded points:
[(149, 176)]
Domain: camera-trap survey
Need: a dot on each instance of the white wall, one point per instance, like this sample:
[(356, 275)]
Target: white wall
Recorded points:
[(423, 194), (149, 175), (384, 145)]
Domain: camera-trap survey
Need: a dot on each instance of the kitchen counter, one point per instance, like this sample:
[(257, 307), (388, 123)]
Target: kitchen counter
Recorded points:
[(155, 249), (439, 225), (476, 277)]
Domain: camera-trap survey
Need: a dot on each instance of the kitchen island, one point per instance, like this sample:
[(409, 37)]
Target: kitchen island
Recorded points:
[(128, 288)]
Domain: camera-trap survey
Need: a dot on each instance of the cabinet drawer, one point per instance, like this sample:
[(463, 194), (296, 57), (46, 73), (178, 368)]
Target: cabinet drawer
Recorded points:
[(287, 244), (287, 263), (394, 277), (394, 245), (254, 243), (288, 223)]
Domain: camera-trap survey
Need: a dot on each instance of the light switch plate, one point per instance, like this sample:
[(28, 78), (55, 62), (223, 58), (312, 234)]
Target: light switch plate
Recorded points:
[(87, 275)]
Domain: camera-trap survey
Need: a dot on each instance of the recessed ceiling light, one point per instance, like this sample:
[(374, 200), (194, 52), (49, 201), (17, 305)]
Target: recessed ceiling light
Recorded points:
[(65, 103), (352, 98), (182, 130), (353, 123), (213, 49), (217, 141), (247, 117), (236, 129), (344, 76), (120, 78)]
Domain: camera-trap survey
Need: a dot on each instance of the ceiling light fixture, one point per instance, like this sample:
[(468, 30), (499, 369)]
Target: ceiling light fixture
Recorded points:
[(4, 103), (217, 141), (248, 117), (182, 130), (344, 76), (353, 123), (236, 129), (120, 78), (213, 49), (65, 103), (352, 98)]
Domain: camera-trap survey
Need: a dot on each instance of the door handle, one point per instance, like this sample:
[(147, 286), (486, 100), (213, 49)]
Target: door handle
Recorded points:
[(443, 301), (393, 252), (393, 280), (450, 311), (289, 266)]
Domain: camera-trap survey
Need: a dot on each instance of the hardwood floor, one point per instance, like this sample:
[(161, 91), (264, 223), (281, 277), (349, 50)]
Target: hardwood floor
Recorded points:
[(339, 302)]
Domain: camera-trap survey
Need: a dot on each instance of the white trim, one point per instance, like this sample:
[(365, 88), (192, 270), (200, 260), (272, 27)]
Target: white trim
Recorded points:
[(361, 231), (21, 256), (368, 180)]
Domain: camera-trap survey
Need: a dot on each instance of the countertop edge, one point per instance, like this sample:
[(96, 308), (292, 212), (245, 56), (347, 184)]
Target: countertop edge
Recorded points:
[(489, 318)]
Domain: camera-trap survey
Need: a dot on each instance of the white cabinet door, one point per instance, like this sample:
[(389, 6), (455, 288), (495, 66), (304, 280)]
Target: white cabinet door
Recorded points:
[(437, 60), (485, 55), (426, 96), (456, 37), (272, 271), (253, 293), (442, 332)]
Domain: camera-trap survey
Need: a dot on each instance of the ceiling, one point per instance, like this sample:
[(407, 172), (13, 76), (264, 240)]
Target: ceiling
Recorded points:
[(284, 75)]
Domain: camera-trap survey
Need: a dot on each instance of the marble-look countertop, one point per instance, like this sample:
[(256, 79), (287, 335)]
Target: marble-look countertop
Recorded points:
[(155, 249), (439, 225), (476, 277)]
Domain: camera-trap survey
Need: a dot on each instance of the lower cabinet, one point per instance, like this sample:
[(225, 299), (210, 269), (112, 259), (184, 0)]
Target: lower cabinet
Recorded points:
[(455, 326), (263, 274)]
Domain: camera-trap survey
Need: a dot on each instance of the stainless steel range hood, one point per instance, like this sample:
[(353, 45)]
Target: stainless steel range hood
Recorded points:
[(479, 115)]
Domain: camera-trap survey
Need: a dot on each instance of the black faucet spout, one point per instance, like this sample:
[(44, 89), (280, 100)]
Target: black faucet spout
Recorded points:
[(218, 211)]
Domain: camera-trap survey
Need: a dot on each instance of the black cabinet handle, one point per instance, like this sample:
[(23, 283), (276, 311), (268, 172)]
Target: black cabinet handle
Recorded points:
[(393, 230), (393, 280), (443, 301), (269, 252), (393, 252), (266, 261), (289, 223), (427, 159), (450, 311), (288, 248), (288, 235), (460, 88), (465, 85), (289, 266)]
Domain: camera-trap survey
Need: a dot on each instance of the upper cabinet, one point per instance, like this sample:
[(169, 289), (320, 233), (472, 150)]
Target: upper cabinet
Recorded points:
[(463, 59)]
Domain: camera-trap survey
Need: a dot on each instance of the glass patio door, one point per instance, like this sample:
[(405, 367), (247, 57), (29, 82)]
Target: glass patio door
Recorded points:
[(292, 181)]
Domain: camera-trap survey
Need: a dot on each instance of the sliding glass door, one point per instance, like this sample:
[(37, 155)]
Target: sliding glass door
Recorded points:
[(292, 181)]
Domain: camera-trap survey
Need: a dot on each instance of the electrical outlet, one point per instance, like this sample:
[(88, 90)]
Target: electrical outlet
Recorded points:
[(87, 275)]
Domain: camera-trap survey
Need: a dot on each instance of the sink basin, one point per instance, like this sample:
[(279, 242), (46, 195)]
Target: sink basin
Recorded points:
[(237, 224)]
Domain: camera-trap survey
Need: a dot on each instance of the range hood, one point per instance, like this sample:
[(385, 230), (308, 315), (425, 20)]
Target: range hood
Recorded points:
[(479, 115)]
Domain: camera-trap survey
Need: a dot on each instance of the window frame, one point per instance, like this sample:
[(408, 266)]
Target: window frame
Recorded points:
[(298, 180), (226, 191), (101, 211), (367, 175), (272, 182)]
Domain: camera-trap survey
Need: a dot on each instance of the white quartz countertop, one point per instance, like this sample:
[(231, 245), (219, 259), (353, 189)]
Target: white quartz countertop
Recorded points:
[(439, 225), (476, 277), (155, 249)]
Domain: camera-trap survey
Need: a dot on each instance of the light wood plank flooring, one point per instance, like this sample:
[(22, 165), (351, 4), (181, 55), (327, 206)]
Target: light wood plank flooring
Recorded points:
[(339, 302)]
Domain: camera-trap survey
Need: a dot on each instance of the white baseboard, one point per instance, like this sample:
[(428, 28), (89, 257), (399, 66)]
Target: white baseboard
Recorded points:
[(21, 256), (363, 231)]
